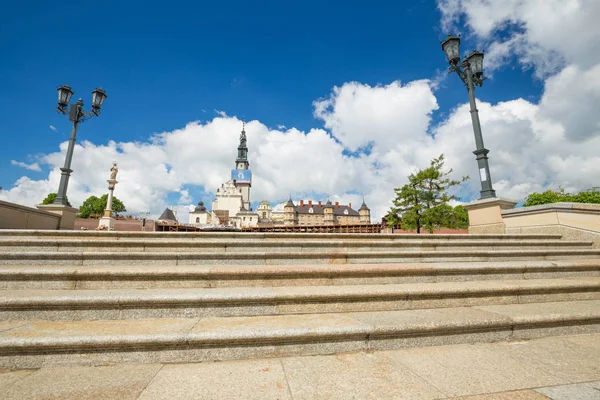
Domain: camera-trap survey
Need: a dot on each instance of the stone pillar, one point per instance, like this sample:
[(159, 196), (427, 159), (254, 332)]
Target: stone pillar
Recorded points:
[(67, 214), (485, 216), (107, 219)]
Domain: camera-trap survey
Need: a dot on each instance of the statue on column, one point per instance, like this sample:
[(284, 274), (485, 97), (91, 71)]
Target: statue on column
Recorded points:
[(107, 222), (113, 171)]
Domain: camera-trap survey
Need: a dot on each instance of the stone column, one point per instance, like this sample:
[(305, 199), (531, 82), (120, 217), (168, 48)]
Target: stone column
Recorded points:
[(107, 221)]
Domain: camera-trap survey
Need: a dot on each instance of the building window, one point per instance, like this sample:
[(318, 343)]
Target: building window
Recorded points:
[(197, 219), (264, 215), (310, 210)]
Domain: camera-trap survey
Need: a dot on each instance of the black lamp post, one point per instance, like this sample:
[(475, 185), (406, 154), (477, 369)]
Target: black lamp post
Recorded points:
[(76, 115), (470, 71)]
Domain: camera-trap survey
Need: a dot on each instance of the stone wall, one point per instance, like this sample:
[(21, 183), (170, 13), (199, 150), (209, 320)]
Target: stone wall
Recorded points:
[(576, 221), (15, 216)]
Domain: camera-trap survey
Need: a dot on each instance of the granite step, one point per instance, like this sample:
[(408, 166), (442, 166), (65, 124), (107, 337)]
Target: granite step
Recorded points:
[(38, 344), (17, 277), (16, 305), (281, 257), (279, 245)]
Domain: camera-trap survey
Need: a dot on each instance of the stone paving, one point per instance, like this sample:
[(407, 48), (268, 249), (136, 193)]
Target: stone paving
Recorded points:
[(565, 367)]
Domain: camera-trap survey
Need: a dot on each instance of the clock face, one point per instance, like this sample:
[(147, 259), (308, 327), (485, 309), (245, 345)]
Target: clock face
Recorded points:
[(241, 175)]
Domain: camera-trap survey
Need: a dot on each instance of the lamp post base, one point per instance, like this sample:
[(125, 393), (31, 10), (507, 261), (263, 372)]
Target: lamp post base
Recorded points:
[(67, 214), (485, 215)]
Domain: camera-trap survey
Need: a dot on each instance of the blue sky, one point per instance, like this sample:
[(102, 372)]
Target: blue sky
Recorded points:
[(164, 65)]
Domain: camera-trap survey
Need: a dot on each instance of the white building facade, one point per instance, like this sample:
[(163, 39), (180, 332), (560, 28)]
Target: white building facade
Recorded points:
[(232, 203)]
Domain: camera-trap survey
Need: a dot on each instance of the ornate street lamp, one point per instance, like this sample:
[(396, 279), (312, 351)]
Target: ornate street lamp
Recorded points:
[(76, 115), (470, 72)]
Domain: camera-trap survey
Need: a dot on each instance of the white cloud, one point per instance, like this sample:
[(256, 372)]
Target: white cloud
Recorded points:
[(359, 114), (544, 34), (32, 167), (53, 128)]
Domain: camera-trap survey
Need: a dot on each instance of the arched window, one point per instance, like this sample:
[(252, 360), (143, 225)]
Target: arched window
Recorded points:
[(197, 220), (264, 214)]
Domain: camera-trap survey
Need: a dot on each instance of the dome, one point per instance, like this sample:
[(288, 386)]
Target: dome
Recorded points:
[(200, 207)]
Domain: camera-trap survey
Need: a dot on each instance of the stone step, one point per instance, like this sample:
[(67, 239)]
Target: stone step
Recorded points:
[(18, 305), (236, 236), (17, 277), (280, 245), (280, 257), (173, 340)]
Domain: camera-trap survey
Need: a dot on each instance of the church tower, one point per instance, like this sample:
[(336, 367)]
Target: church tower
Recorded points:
[(289, 214), (241, 162), (365, 213), (242, 174)]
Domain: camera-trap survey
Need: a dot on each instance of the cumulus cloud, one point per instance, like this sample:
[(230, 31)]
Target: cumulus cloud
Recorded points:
[(385, 115), (543, 34), (32, 167)]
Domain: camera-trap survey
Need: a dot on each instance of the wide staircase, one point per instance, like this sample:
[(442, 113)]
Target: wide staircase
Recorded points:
[(92, 298)]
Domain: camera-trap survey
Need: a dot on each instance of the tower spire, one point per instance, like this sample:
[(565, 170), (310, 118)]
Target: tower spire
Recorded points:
[(242, 156)]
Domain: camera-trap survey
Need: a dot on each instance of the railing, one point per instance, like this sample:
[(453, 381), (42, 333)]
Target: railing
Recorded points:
[(358, 228), (162, 226)]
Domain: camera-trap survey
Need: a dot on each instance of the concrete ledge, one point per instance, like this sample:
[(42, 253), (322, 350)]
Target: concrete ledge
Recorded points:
[(16, 216), (36, 344), (67, 214), (571, 220), (501, 202), (485, 215), (569, 207)]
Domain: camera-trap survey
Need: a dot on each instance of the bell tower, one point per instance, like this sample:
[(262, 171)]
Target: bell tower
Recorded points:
[(241, 162), (241, 175)]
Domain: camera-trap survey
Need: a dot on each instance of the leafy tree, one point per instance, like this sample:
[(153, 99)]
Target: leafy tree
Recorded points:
[(94, 207), (549, 196), (462, 217), (51, 197), (555, 196), (422, 202)]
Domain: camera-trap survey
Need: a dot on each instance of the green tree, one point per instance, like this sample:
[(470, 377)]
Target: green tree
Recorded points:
[(94, 207), (422, 202), (50, 199), (549, 196), (554, 196), (462, 217), (589, 196)]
